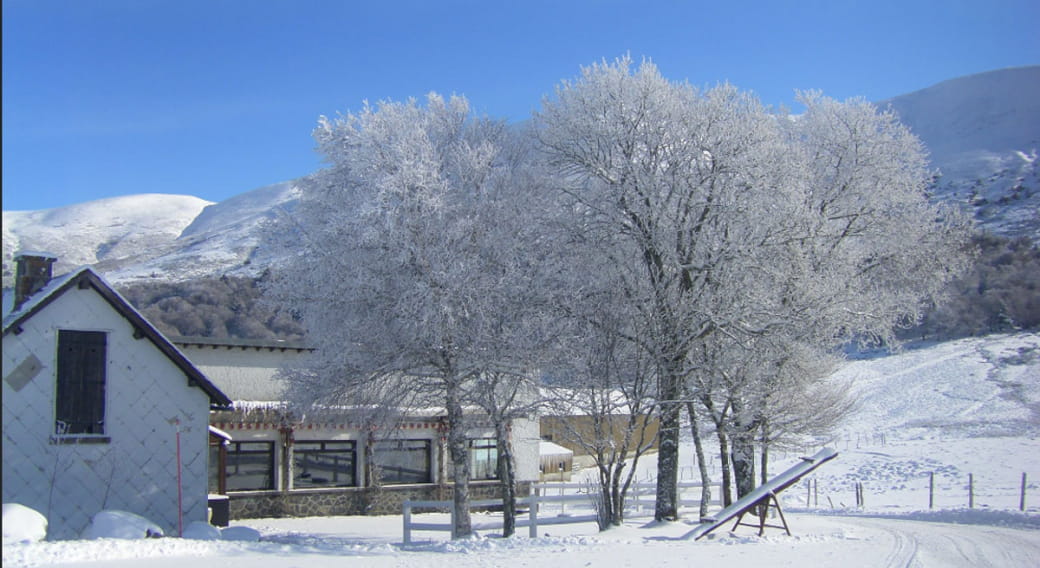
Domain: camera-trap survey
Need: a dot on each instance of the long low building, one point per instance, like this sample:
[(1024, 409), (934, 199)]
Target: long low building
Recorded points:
[(277, 465)]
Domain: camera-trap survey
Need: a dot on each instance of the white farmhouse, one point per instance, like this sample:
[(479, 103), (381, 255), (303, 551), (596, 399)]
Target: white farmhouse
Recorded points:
[(100, 411)]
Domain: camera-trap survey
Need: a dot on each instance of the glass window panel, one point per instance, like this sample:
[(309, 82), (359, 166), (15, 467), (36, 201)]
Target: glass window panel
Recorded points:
[(402, 461), (214, 468), (483, 455), (250, 466), (324, 464)]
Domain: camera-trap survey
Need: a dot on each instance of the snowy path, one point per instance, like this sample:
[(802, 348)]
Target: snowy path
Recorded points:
[(915, 543)]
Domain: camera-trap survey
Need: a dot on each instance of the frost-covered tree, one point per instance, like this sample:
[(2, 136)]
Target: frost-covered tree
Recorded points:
[(607, 382), (729, 223), (413, 275), (667, 176)]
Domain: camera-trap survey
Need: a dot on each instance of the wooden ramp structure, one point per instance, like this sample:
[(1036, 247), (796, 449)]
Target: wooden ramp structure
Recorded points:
[(763, 498)]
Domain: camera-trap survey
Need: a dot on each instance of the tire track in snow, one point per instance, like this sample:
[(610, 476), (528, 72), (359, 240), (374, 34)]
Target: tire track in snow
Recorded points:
[(917, 544)]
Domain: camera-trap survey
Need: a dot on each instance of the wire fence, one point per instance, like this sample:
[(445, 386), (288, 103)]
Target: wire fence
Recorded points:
[(928, 490)]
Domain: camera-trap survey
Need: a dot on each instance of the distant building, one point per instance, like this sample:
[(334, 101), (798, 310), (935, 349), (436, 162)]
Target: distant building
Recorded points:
[(570, 430), (100, 410)]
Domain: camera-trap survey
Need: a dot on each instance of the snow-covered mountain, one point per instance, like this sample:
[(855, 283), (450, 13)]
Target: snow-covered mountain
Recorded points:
[(106, 232), (224, 238), (982, 133), (983, 136), (151, 236)]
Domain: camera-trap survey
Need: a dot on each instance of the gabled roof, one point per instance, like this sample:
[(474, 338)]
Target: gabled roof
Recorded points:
[(84, 278)]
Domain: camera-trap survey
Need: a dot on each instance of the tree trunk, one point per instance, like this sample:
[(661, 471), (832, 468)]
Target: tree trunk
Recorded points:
[(606, 516), (618, 490), (373, 484), (727, 479), (667, 507), (698, 447), (506, 478), (742, 450), (462, 526), (764, 472)]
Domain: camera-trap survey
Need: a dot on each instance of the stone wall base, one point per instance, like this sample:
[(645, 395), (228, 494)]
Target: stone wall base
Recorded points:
[(385, 500)]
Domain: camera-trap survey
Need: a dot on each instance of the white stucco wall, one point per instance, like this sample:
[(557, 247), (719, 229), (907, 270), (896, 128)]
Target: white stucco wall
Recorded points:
[(525, 446), (137, 470)]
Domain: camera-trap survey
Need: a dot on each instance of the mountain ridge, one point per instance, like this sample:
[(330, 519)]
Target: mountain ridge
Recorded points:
[(985, 158), (982, 133)]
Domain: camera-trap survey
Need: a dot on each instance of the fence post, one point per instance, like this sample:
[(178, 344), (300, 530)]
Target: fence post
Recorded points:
[(532, 529), (808, 493), (452, 521), (1022, 496), (971, 490), (931, 489), (816, 492), (407, 523)]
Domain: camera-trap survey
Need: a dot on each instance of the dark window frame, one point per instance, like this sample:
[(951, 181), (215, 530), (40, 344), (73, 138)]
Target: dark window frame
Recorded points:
[(319, 452), (400, 474), (81, 378), (489, 448), (217, 467), (234, 474)]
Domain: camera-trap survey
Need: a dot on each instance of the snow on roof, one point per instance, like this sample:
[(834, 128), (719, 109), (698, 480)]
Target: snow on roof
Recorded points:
[(35, 253), (219, 433), (546, 448), (11, 315)]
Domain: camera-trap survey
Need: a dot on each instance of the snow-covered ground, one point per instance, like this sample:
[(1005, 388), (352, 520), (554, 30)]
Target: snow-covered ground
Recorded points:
[(963, 408)]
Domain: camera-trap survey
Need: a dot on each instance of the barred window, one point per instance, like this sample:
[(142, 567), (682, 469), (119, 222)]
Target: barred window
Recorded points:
[(324, 464), (250, 466), (402, 461)]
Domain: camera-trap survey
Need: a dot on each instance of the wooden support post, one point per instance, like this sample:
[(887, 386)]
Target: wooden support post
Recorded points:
[(769, 501), (971, 490)]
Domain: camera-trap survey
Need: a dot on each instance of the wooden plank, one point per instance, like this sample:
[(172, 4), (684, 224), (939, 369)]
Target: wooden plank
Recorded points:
[(762, 495)]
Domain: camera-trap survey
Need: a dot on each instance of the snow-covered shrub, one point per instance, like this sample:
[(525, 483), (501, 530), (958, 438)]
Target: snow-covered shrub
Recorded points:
[(121, 524), (22, 524), (245, 534), (199, 530)]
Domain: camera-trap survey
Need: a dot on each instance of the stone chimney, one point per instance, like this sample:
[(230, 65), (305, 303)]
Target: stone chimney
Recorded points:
[(32, 272)]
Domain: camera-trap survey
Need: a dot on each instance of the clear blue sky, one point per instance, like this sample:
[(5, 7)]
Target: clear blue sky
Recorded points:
[(213, 98)]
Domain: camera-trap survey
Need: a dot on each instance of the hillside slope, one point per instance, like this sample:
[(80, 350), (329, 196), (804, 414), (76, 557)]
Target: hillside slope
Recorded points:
[(151, 237), (974, 387), (982, 133), (128, 229)]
